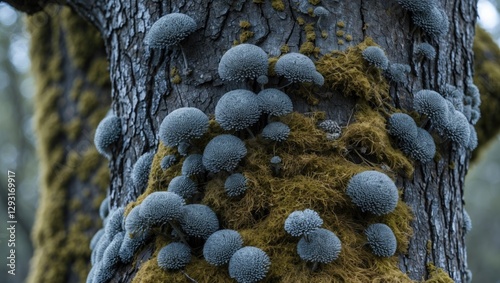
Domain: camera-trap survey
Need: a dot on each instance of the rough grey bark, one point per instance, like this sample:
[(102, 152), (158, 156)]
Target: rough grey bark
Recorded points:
[(142, 93)]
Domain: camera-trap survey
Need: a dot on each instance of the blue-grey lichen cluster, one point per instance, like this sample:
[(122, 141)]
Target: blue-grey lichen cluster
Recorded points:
[(161, 207), (140, 171), (235, 185), (168, 161), (108, 132), (427, 15), (224, 152), (467, 222), (169, 30), (316, 244), (183, 125), (199, 220), (373, 192), (321, 246), (426, 50), (275, 102), (397, 72), (244, 61), (300, 223), (237, 110), (174, 256), (193, 165), (413, 141), (448, 115), (375, 56), (276, 131), (182, 186), (249, 264), (221, 246), (297, 67), (381, 240)]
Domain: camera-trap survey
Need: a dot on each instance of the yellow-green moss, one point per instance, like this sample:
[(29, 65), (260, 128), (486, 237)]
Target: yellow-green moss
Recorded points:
[(301, 21), (88, 102), (175, 76), (245, 24), (258, 1), (437, 275), (324, 34), (340, 33), (340, 24), (348, 38), (487, 79), (245, 35), (315, 174), (98, 72), (347, 72), (272, 62), (314, 2), (310, 33), (284, 48), (73, 129), (340, 42), (308, 48), (278, 5)]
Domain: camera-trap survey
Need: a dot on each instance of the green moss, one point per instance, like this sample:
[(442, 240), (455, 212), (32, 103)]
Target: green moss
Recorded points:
[(175, 76), (437, 275), (76, 89), (308, 48), (315, 174), (98, 73), (278, 5), (314, 2), (301, 21), (285, 48), (245, 35), (340, 42), (258, 1), (487, 79), (87, 103), (347, 72), (348, 38), (324, 34), (341, 24), (73, 129), (340, 33), (245, 24)]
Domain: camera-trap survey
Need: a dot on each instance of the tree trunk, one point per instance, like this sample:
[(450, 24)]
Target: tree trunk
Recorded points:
[(145, 88)]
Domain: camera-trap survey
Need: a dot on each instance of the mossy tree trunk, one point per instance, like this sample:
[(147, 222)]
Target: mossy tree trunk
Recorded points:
[(72, 96), (144, 92)]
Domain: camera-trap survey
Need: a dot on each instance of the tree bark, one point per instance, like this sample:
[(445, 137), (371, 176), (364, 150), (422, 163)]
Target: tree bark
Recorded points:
[(143, 92)]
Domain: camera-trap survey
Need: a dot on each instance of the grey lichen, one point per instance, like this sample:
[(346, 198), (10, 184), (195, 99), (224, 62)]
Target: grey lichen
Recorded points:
[(243, 61), (141, 169), (373, 191), (193, 165), (297, 67), (276, 131), (183, 125), (221, 246), (300, 223), (235, 185), (321, 246), (237, 110), (426, 50), (375, 56), (169, 30), (224, 152), (199, 220), (381, 239), (248, 265), (108, 132), (168, 161), (275, 102), (161, 207), (183, 186), (174, 256)]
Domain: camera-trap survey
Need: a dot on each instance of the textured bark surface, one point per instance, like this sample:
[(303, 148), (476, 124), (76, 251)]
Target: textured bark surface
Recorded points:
[(143, 94)]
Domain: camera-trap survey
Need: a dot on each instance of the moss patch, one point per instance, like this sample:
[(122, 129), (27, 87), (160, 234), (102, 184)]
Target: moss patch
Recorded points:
[(487, 79), (278, 5), (437, 275)]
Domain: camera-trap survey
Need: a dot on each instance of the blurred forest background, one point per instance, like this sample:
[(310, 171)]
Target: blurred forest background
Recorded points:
[(18, 154)]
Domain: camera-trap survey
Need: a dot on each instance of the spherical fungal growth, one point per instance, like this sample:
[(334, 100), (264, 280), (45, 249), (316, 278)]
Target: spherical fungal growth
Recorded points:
[(275, 102), (248, 265), (183, 125), (107, 133), (168, 161), (381, 240), (276, 131), (433, 105), (160, 207), (183, 186), (243, 61), (422, 148), (416, 5), (397, 72), (297, 67), (237, 110), (433, 21), (169, 30), (235, 185), (140, 171), (174, 256), (104, 208), (221, 245), (135, 223), (376, 57), (223, 152), (373, 191), (193, 165), (300, 223), (402, 127), (199, 220), (320, 245), (426, 50)]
